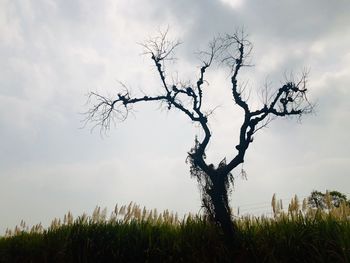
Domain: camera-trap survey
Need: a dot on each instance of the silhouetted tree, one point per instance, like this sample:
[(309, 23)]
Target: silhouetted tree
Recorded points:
[(232, 51)]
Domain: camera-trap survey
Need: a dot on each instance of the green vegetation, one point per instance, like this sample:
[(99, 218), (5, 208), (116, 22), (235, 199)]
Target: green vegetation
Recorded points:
[(132, 234)]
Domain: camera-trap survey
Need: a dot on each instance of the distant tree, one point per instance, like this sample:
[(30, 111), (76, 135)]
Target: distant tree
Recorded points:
[(321, 200), (337, 198), (231, 51), (316, 200)]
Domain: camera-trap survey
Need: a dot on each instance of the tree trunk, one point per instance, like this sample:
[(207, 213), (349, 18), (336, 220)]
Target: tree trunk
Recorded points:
[(219, 207)]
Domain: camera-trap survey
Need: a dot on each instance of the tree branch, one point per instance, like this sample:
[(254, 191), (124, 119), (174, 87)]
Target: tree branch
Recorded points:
[(289, 100), (214, 48), (161, 49), (235, 50), (232, 50)]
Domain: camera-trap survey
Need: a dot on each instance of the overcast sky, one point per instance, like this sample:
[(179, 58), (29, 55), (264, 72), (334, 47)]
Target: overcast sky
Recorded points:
[(53, 52)]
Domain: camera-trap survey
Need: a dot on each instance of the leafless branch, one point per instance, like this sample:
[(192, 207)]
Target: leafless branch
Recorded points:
[(234, 51), (231, 50)]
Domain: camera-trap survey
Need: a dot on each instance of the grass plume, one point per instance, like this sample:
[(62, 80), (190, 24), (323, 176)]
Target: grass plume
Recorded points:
[(134, 234)]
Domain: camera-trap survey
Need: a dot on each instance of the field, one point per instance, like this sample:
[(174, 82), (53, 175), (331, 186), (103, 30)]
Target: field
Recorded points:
[(132, 234)]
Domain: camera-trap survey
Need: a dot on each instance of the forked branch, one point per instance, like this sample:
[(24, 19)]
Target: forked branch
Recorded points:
[(231, 50)]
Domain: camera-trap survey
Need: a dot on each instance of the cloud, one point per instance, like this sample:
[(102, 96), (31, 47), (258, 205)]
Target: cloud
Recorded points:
[(54, 52)]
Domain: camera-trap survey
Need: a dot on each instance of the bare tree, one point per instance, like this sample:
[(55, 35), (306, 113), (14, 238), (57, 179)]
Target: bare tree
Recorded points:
[(215, 180)]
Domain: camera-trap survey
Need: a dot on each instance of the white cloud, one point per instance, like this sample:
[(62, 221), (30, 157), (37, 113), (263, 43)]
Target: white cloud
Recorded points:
[(9, 25), (54, 52), (233, 3)]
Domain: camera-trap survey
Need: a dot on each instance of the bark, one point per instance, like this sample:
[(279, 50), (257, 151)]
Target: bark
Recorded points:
[(217, 203)]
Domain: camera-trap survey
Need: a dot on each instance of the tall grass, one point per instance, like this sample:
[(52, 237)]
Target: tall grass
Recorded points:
[(132, 234)]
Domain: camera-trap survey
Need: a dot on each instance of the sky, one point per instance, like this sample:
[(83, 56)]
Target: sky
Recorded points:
[(54, 52)]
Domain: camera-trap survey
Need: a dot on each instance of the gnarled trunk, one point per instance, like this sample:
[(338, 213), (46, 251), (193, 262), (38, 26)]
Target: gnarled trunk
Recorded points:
[(215, 201)]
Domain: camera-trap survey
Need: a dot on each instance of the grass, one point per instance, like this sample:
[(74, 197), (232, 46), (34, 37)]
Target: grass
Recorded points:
[(132, 234)]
